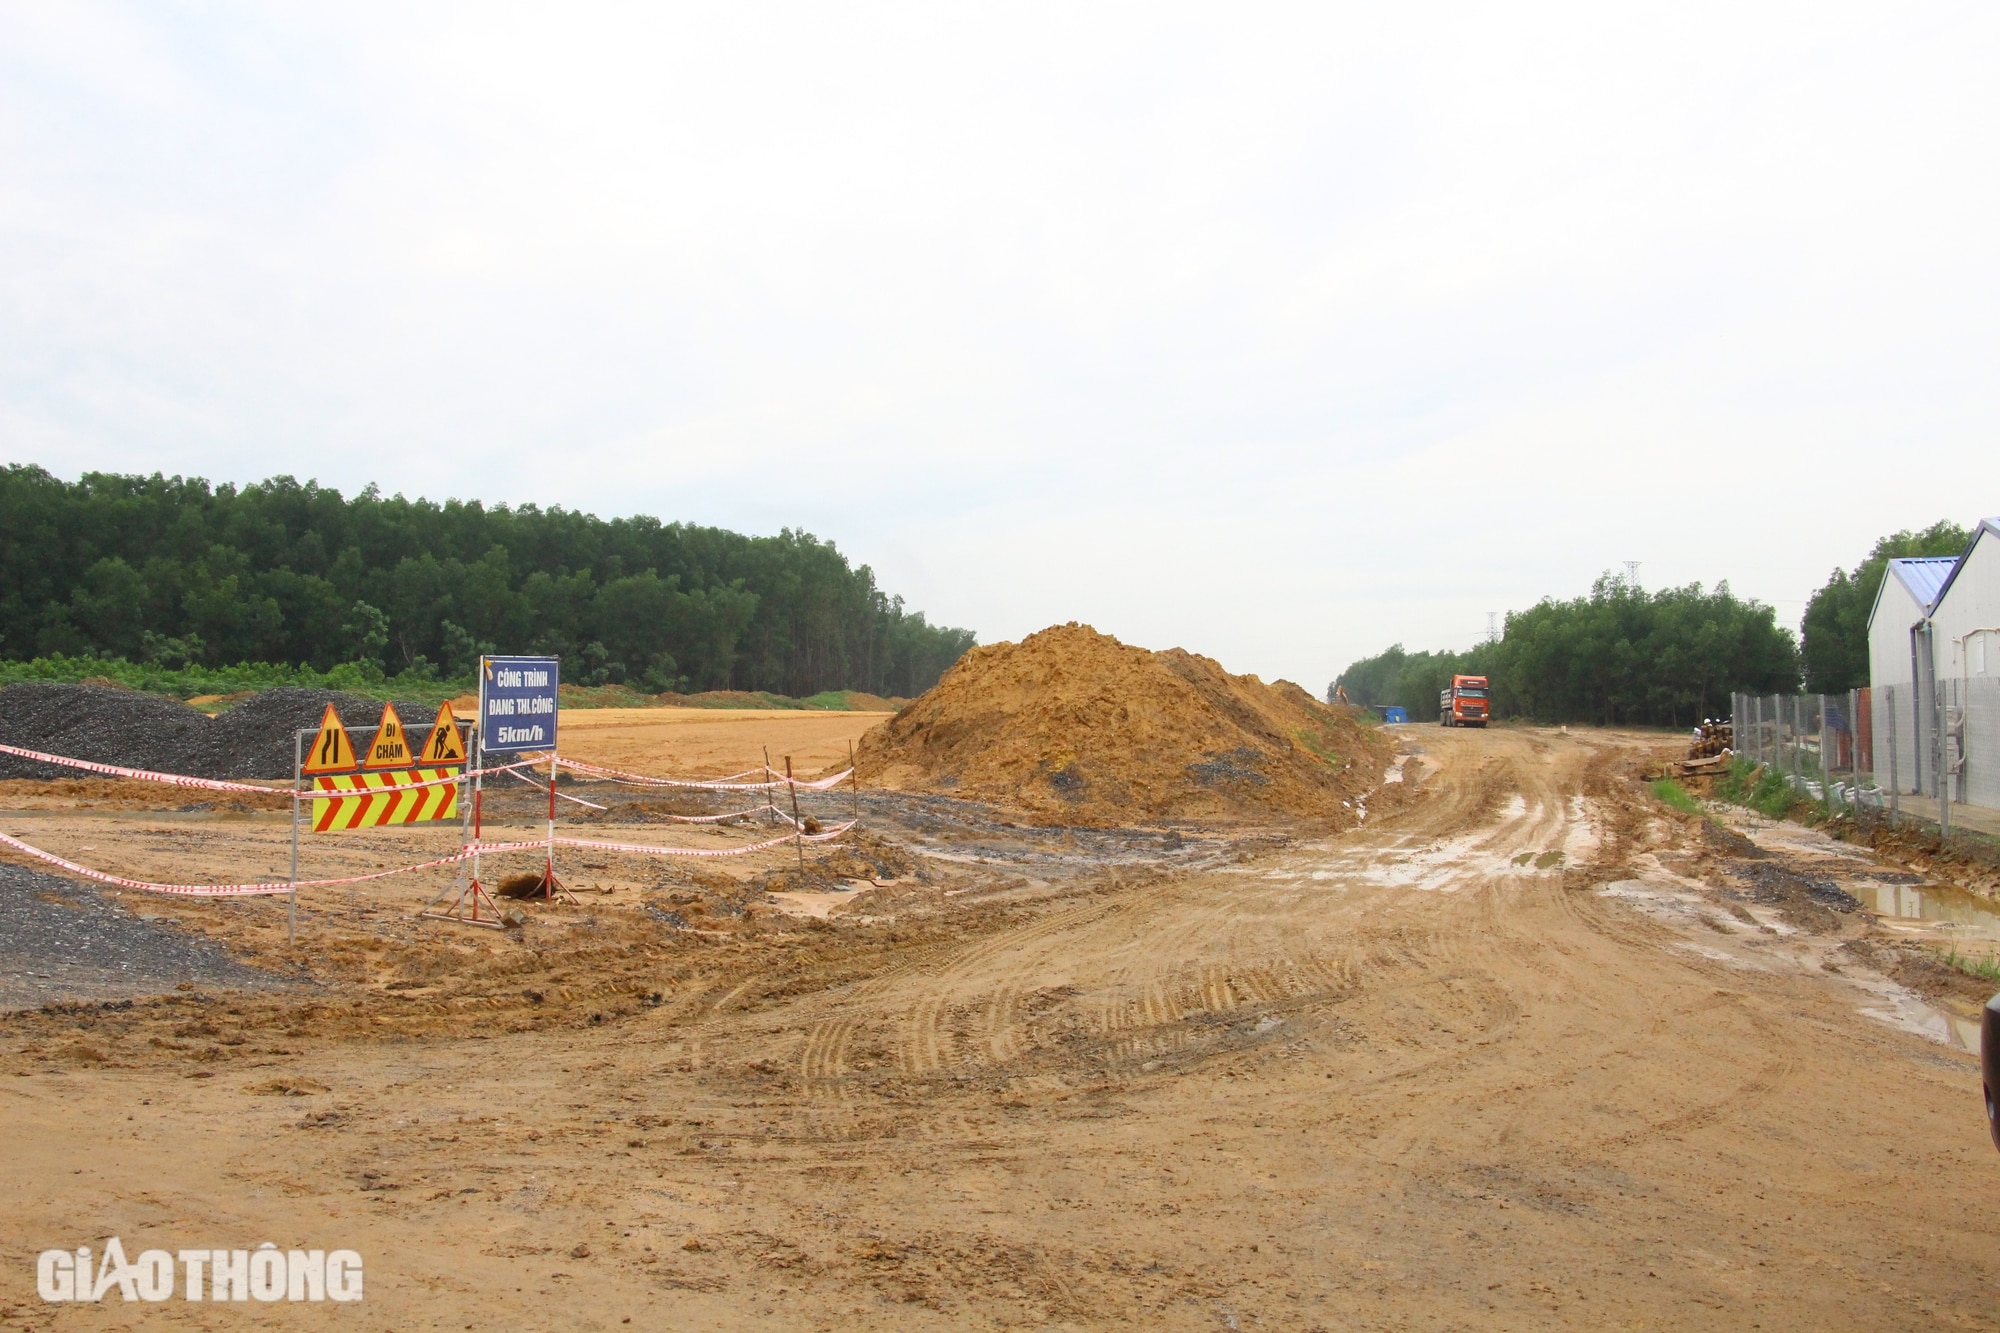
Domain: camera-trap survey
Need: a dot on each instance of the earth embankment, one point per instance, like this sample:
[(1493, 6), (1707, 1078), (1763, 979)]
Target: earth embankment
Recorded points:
[(1070, 726)]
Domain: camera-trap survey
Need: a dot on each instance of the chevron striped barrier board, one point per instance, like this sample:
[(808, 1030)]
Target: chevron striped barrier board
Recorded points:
[(372, 800)]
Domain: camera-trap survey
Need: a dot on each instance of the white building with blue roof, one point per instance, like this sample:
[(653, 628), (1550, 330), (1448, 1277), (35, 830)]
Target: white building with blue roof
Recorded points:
[(1898, 671), (1936, 626)]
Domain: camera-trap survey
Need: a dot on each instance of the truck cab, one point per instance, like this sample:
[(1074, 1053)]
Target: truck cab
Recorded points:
[(1465, 704)]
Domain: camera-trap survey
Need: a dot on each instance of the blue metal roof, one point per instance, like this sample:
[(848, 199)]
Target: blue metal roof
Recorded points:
[(1986, 525), (1925, 576)]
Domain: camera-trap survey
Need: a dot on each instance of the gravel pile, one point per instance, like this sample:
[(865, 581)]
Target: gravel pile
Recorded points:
[(254, 739), (139, 730), (96, 722)]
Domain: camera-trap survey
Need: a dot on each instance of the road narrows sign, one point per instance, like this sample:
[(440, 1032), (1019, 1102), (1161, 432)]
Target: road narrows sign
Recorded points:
[(391, 747), (332, 751)]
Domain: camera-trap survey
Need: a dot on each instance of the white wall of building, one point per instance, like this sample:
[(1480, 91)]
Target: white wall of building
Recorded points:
[(1967, 621), (1893, 708)]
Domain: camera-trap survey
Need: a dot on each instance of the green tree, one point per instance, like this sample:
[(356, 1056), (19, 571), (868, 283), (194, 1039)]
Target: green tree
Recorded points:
[(366, 632), (1835, 628), (272, 572), (109, 607), (1619, 655)]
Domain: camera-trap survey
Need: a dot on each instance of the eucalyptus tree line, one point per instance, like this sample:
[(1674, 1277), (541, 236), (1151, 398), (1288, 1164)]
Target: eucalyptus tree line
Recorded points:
[(176, 571)]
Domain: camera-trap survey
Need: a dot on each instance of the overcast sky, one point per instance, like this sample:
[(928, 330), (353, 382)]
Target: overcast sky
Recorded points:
[(1276, 333)]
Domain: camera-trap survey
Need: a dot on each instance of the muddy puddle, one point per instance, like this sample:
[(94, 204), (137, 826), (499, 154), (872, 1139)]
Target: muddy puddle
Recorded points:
[(1900, 1008), (1940, 907), (1905, 905)]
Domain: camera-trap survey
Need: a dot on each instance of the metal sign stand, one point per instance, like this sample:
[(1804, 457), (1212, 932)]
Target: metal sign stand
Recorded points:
[(472, 896), (552, 888)]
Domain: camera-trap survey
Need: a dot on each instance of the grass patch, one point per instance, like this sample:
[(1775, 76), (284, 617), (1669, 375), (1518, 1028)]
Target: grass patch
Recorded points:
[(1764, 790), (1772, 796), (190, 682), (221, 687), (1984, 969), (1317, 744), (1734, 784), (1671, 793)]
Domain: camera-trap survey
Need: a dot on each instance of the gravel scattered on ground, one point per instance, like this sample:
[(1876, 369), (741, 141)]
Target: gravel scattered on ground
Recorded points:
[(61, 940), (135, 729)]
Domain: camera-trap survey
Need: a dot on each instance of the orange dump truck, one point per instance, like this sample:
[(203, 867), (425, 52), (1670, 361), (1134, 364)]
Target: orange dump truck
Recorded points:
[(1464, 704)]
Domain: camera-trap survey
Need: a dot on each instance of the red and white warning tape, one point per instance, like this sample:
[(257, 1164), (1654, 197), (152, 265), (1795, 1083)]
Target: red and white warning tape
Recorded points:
[(543, 788), (218, 784), (462, 854), (649, 849), (227, 890), (617, 775), (144, 775), (730, 783), (716, 784), (751, 813)]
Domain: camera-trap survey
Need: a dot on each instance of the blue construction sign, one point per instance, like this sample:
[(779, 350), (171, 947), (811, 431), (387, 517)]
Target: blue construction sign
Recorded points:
[(517, 704)]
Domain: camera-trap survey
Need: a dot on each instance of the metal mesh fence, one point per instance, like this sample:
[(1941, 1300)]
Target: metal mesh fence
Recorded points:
[(1813, 739), (1921, 750)]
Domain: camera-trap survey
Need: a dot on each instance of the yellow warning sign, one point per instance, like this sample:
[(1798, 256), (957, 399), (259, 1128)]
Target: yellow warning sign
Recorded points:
[(443, 746), (332, 751), (391, 747)]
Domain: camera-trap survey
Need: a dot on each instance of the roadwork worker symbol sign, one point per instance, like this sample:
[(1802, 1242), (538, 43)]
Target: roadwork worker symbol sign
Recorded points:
[(391, 747), (332, 751), (443, 745)]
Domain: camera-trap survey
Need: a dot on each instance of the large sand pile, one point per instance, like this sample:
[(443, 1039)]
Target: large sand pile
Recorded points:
[(1070, 726)]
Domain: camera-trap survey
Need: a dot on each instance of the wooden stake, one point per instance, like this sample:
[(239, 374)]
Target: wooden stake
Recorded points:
[(798, 825), (854, 780), (292, 908)]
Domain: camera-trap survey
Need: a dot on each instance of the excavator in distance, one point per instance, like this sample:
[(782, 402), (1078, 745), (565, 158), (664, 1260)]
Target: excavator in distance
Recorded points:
[(1465, 704)]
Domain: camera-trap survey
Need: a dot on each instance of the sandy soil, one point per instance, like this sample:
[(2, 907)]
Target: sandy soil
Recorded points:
[(1522, 1051), (1072, 727), (711, 740)]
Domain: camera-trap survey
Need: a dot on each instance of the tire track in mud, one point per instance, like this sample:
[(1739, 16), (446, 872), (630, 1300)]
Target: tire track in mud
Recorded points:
[(823, 1062), (1143, 971), (1257, 927), (1155, 980), (1546, 934)]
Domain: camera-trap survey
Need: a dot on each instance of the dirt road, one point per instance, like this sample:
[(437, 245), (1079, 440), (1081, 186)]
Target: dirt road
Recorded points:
[(1504, 1057)]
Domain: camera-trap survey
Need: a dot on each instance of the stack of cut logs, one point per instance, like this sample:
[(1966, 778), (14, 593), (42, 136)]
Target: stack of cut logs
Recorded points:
[(1711, 747), (1712, 739)]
